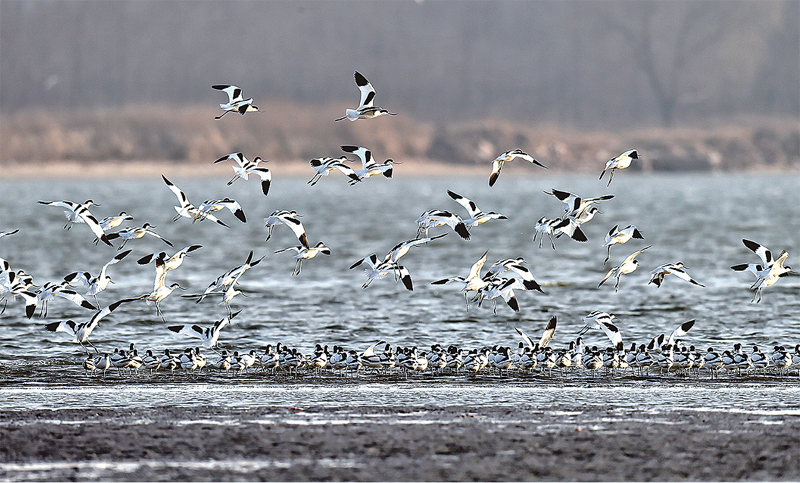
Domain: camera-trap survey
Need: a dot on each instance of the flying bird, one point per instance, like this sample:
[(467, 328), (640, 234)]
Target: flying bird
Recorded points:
[(497, 163), (628, 266), (236, 102), (615, 236), (244, 167), (365, 109), (678, 269), (620, 162)]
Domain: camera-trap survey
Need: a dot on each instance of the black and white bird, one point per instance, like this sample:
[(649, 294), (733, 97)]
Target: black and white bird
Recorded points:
[(369, 167), (629, 265), (111, 222), (17, 283), (472, 282), (236, 102), (620, 162), (766, 274), (325, 165), (575, 205), (226, 282), (379, 269), (208, 335), (365, 109), (170, 263), (678, 269), (50, 291), (135, 233), (497, 163), (79, 213), (433, 218), (290, 219), (186, 209), (304, 253), (556, 227), (498, 287), (81, 331), (513, 268), (244, 168), (617, 236), (603, 321), (477, 216), (97, 284), (209, 206)]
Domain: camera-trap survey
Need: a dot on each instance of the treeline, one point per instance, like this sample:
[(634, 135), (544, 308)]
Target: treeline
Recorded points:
[(579, 64)]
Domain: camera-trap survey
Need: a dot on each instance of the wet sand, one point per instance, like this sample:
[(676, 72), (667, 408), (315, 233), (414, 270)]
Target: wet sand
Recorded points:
[(364, 443)]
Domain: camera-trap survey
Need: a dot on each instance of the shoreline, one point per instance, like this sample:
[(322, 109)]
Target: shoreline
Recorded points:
[(365, 443)]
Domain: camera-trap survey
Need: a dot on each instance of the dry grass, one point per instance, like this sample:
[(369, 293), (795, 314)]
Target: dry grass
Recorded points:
[(99, 141)]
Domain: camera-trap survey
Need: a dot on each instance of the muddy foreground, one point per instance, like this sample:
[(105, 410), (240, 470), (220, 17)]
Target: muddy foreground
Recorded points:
[(390, 443)]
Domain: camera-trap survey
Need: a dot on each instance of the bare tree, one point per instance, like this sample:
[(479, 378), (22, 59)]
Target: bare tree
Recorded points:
[(700, 27)]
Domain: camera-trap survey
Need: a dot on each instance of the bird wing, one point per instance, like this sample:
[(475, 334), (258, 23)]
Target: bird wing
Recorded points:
[(549, 332), (468, 204), (367, 91)]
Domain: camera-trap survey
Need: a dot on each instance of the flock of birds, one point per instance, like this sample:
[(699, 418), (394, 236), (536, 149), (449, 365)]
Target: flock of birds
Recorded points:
[(499, 281)]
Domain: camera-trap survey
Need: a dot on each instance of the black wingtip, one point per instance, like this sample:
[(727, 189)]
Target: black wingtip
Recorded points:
[(512, 302), (462, 231), (492, 179), (265, 187), (175, 328), (53, 326), (240, 215)]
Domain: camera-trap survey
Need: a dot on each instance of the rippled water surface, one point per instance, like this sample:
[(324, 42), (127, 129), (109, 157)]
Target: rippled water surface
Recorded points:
[(697, 219)]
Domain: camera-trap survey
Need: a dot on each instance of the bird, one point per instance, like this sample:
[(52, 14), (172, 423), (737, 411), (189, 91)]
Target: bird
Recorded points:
[(236, 102), (208, 206), (81, 331), (369, 167), (498, 287), (620, 162), (616, 236), (111, 222), (134, 233), (477, 216), (172, 262), (160, 288), (433, 218), (521, 274), (602, 321), (227, 280), (99, 283), (208, 335), (547, 335), (51, 290), (17, 283), (497, 163), (575, 205), (323, 166), (628, 266), (403, 247), (245, 167), (186, 209), (304, 253), (473, 280), (79, 213), (556, 227), (766, 274), (365, 109), (377, 270), (678, 269), (290, 219)]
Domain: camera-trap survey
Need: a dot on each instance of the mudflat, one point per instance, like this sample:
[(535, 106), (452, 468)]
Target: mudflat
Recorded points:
[(365, 443)]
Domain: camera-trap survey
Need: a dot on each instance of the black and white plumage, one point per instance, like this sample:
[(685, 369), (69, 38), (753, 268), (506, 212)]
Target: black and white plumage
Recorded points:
[(50, 291), (209, 206), (111, 222), (555, 227), (304, 253), (8, 233), (497, 163), (135, 233), (575, 205), (97, 284), (208, 335), (81, 331), (365, 109), (169, 263), (379, 269), (290, 219), (433, 218), (79, 213), (472, 282), (244, 168), (369, 167), (627, 266), (226, 282), (186, 209), (17, 283), (768, 273), (513, 268), (236, 102), (547, 335), (617, 236), (477, 216), (678, 269), (603, 321), (619, 162), (325, 165), (498, 287)]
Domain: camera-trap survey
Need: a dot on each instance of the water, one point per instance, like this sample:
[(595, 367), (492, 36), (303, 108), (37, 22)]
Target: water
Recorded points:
[(698, 219)]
